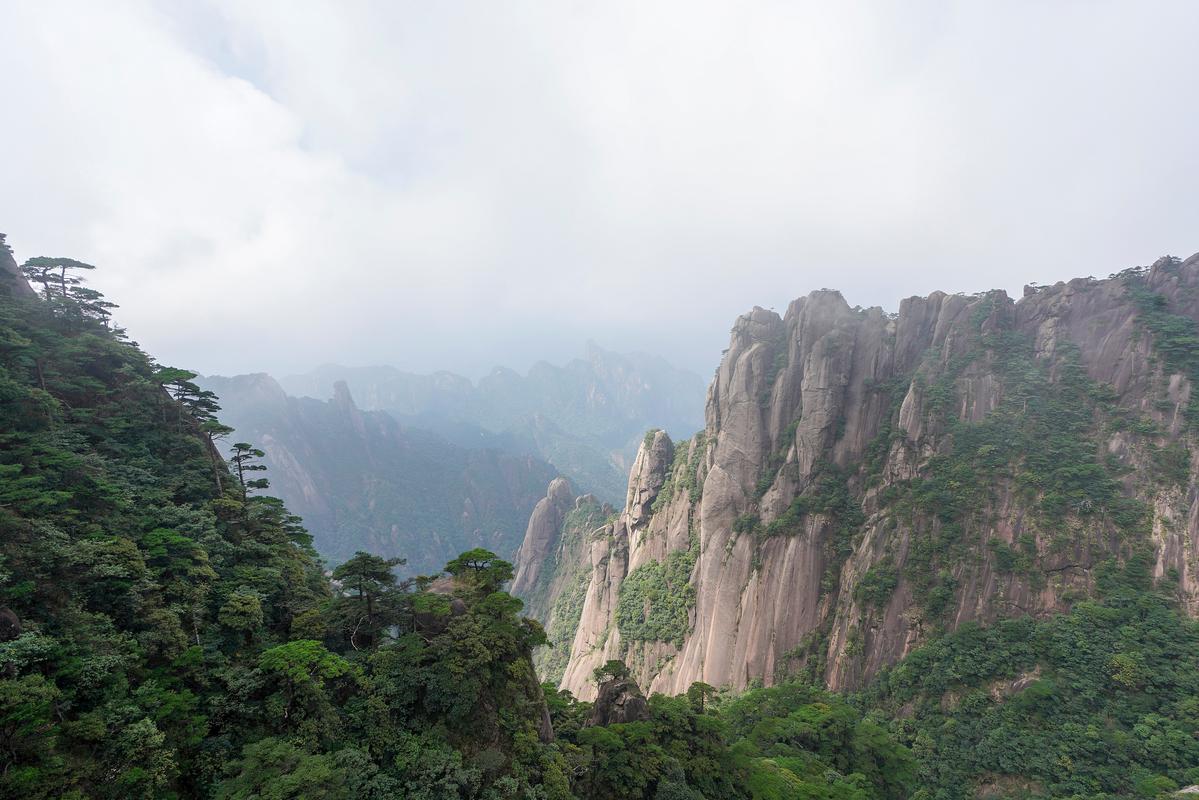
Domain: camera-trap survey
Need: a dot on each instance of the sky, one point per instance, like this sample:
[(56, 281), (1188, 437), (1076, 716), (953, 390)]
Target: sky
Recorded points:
[(271, 185)]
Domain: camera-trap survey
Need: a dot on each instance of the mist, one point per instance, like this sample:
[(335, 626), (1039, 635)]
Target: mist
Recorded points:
[(270, 185)]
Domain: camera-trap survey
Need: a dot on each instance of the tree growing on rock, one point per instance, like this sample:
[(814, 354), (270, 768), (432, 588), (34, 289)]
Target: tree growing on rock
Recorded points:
[(613, 670), (480, 569)]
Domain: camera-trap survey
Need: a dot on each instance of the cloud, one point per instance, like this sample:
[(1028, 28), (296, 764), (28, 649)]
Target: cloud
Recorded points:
[(270, 185)]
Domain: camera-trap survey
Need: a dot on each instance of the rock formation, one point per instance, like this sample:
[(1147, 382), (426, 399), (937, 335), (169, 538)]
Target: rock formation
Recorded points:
[(553, 568), (618, 700), (545, 526), (865, 481), (11, 277), (10, 624)]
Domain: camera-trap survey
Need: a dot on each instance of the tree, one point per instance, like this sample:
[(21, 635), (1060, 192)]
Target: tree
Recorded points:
[(91, 304), (302, 669), (242, 612), (372, 605), (277, 769), (699, 693), (613, 670), (64, 289), (201, 404), (244, 455), (481, 569), (27, 736)]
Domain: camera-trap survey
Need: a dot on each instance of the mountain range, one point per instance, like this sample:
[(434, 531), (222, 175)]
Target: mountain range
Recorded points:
[(976, 520), (431, 465), (866, 483), (586, 417)]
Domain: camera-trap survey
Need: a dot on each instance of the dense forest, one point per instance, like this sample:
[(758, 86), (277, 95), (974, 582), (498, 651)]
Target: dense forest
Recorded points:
[(167, 631)]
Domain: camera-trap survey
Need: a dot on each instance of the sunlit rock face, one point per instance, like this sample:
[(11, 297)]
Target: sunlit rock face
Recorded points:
[(865, 481)]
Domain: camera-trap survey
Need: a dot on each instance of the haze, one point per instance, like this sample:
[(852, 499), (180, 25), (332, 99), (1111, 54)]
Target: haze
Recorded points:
[(272, 185)]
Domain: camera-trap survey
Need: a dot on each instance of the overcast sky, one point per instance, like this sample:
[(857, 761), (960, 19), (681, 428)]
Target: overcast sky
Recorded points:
[(272, 185)]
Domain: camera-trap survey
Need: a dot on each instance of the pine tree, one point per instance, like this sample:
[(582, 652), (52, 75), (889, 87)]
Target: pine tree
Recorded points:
[(243, 458)]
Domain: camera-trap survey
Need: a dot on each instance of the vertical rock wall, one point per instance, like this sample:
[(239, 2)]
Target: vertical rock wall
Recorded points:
[(807, 508)]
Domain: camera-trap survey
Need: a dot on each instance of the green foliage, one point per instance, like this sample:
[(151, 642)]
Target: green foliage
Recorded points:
[(1175, 336), (827, 494), (876, 585), (613, 669), (272, 769), (481, 570), (825, 749), (1099, 702), (656, 599), (372, 600), (684, 472), (791, 741), (179, 639), (1171, 463), (566, 560), (144, 587), (747, 523)]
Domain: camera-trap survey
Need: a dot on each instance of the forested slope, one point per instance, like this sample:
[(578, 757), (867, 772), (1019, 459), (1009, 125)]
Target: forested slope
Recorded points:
[(167, 630)]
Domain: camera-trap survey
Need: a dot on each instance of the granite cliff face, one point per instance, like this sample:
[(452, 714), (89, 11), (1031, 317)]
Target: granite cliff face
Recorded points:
[(865, 481), (553, 567)]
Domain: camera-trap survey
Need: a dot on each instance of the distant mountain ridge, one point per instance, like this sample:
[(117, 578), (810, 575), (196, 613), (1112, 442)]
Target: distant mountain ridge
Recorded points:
[(586, 417), (425, 466), (363, 481)]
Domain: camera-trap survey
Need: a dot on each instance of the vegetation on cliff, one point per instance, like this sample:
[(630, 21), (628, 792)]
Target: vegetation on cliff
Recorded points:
[(166, 630), (1102, 702)]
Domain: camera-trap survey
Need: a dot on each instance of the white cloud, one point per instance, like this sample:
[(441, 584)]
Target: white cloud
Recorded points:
[(275, 184)]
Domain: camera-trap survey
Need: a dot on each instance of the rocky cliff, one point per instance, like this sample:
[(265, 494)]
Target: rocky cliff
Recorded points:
[(11, 278), (553, 567), (867, 481)]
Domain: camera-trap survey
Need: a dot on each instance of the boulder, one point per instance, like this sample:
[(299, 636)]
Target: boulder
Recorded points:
[(619, 700)]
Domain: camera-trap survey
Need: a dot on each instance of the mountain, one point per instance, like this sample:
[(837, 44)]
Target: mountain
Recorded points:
[(167, 631), (363, 481), (554, 569), (866, 483), (586, 418)]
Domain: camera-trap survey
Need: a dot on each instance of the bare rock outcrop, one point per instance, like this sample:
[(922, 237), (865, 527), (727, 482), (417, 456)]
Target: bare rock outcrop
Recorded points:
[(545, 526), (11, 279), (618, 700), (865, 481)]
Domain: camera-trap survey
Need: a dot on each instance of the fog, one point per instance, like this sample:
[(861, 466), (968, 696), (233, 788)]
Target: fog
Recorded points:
[(272, 185)]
